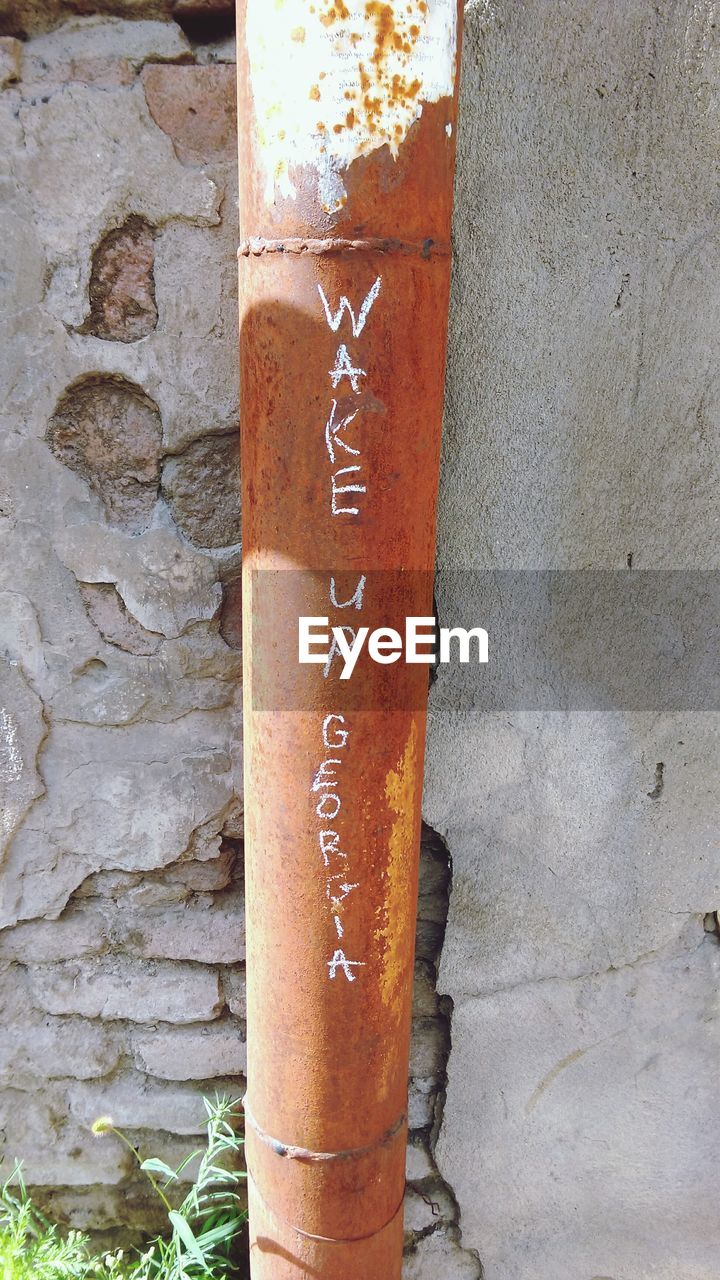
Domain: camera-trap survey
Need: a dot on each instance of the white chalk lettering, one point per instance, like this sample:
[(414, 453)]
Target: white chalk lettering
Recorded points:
[(328, 806), (357, 324), (340, 961), (344, 368), (329, 842), (325, 776), (336, 900), (340, 736), (332, 432), (355, 599), (345, 488)]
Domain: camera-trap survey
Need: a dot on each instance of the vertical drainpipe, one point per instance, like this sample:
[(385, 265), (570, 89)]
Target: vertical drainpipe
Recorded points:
[(347, 142)]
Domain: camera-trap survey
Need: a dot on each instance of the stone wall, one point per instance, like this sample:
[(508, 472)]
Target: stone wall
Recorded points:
[(121, 894)]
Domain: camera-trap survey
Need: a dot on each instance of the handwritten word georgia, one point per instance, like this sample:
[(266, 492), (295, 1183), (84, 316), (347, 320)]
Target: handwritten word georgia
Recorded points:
[(336, 861)]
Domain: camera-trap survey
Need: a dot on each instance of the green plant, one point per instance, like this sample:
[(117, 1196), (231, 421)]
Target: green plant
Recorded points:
[(205, 1227), (32, 1248), (203, 1230)]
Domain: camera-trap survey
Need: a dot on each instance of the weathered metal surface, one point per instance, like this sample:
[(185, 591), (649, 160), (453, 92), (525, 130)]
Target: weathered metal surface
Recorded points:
[(347, 124)]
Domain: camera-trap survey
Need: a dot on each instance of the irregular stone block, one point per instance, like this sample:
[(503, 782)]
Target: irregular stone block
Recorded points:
[(119, 799), (205, 877), (114, 127), (119, 988), (191, 1053), (56, 1048), (22, 730), (425, 998), (164, 583), (418, 1162), (133, 1102), (439, 1257), (235, 991), (421, 1103), (117, 1217), (122, 285), (428, 1208), (110, 432), (56, 1153), (231, 612), (202, 489), (207, 934), (103, 36), (428, 1047), (107, 610), (11, 51), (196, 107), (78, 933)]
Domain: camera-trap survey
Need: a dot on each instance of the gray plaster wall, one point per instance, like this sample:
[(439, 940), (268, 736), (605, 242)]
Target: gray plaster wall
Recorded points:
[(581, 953)]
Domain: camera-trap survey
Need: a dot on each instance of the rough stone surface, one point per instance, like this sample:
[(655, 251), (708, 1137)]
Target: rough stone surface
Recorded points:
[(135, 1102), (110, 433), (581, 410), (56, 1048), (122, 287), (121, 989), (590, 1103), (22, 731), (105, 608), (192, 1053), (202, 489), (120, 724), (30, 17), (10, 61), (195, 107)]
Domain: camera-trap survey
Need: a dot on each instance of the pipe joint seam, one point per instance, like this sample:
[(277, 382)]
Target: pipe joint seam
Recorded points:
[(255, 246)]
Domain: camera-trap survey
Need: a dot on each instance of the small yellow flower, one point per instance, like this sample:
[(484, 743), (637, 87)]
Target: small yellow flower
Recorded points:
[(102, 1125)]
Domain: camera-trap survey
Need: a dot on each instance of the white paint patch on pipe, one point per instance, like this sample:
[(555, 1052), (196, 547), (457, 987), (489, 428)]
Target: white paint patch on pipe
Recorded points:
[(332, 81)]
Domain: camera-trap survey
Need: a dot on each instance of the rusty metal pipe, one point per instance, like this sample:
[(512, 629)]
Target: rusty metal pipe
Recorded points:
[(347, 140)]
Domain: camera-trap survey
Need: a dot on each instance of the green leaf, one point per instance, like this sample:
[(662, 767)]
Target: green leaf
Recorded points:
[(184, 1230), (159, 1166)]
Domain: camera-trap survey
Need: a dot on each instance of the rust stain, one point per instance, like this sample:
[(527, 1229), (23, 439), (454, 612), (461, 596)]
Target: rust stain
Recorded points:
[(401, 795), (378, 87), (338, 12)]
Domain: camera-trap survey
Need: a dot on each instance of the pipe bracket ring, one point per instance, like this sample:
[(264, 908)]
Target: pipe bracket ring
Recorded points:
[(290, 1151), (310, 1235)]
